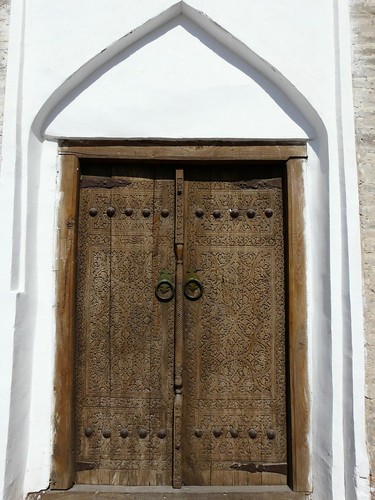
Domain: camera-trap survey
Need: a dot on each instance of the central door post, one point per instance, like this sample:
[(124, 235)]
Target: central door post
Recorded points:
[(179, 250)]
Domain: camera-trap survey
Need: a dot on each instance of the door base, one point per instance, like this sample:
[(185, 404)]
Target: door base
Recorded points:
[(83, 492)]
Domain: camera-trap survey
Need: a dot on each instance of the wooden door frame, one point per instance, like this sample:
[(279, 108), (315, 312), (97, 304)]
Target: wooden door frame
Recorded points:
[(70, 153)]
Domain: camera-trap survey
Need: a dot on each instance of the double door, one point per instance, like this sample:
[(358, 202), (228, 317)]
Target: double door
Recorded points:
[(180, 338)]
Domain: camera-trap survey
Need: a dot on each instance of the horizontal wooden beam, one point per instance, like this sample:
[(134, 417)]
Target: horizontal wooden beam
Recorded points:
[(83, 492), (185, 151)]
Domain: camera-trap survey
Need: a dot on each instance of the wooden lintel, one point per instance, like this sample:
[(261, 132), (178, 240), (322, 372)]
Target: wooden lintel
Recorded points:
[(189, 152)]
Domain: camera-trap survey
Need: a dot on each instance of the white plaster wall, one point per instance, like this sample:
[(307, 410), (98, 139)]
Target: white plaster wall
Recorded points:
[(178, 82), (284, 68)]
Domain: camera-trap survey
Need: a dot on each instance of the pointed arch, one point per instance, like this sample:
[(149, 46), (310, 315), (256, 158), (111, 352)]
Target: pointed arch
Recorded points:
[(101, 62)]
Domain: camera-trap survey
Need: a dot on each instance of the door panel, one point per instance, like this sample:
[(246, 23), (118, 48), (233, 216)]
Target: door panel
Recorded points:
[(124, 363), (234, 358), (137, 421)]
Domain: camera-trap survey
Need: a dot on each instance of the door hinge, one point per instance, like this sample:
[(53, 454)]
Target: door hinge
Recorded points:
[(103, 182), (260, 183), (279, 468), (85, 465)]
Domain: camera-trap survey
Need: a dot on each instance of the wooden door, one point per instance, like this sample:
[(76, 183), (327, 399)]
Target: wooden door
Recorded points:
[(190, 390), (234, 348), (124, 354)]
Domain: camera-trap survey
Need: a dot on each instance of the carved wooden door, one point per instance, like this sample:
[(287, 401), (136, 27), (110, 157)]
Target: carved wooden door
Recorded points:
[(125, 337), (234, 335), (180, 349)]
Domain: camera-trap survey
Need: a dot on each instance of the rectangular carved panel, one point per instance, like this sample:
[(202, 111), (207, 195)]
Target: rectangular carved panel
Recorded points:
[(234, 355), (124, 341)]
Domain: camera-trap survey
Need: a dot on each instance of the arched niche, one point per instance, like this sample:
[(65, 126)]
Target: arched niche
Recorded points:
[(173, 79)]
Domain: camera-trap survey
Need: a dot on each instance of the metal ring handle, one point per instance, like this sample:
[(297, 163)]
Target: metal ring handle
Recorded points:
[(164, 290), (193, 289)]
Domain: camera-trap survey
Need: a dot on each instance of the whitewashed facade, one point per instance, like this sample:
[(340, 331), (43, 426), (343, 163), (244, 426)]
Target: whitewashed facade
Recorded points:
[(194, 69)]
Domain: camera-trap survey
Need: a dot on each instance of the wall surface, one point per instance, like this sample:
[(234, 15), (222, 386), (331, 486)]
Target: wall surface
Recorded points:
[(4, 34), (363, 39), (63, 76), (196, 88)]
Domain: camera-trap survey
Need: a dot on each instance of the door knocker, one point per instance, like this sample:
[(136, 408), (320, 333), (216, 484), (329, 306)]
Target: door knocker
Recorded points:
[(164, 290), (193, 288)]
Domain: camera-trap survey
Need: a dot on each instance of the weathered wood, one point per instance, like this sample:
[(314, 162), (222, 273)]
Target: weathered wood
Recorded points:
[(124, 368), (191, 152), (62, 475), (234, 335), (178, 335), (185, 493), (298, 341)]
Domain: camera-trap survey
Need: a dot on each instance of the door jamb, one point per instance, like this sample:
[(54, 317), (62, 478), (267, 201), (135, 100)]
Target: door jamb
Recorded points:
[(294, 156)]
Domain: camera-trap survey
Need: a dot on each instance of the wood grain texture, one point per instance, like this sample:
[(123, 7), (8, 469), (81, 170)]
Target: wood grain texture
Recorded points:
[(124, 339), (234, 335), (298, 341), (178, 334), (62, 469), (191, 152), (185, 493), (62, 475)]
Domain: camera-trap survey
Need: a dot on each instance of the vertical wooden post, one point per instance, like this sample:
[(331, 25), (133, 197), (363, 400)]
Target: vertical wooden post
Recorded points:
[(298, 342), (62, 476), (179, 249)]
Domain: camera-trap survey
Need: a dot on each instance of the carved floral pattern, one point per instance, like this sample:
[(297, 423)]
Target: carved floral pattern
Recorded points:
[(234, 377), (124, 335), (234, 336)]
